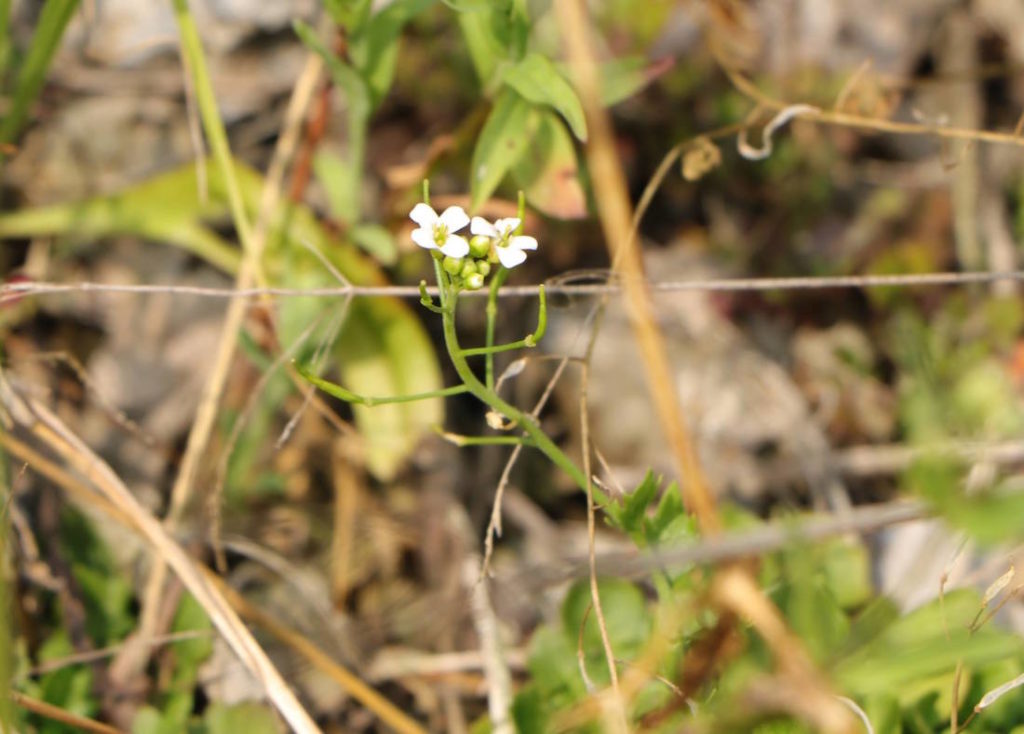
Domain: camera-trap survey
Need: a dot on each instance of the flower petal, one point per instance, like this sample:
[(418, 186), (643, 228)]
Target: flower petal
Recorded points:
[(510, 257), (456, 246), (507, 225), (454, 218), (423, 215), (424, 237), (523, 242), (481, 226)]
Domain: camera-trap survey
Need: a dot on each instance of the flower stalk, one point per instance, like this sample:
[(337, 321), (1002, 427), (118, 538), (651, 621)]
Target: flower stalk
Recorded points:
[(459, 265)]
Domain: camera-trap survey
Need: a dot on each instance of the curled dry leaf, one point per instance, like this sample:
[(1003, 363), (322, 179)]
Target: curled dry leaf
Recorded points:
[(700, 159)]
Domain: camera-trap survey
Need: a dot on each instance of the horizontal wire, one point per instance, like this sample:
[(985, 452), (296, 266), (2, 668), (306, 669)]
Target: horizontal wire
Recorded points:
[(562, 285)]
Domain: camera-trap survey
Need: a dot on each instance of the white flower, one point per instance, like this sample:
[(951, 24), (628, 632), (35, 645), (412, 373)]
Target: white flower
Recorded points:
[(510, 248), (437, 232)]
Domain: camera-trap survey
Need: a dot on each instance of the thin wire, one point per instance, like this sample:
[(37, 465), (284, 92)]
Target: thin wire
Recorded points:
[(10, 292)]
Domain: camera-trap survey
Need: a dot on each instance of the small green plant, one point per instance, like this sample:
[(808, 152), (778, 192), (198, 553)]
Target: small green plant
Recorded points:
[(462, 265)]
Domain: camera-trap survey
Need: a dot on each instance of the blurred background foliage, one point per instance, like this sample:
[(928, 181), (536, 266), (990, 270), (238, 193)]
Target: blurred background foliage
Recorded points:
[(354, 526)]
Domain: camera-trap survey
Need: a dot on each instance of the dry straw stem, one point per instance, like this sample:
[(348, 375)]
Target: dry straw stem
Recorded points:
[(367, 696), (734, 588), (55, 713), (355, 687), (616, 708), (134, 657), (41, 422), (860, 122), (737, 589), (614, 212)]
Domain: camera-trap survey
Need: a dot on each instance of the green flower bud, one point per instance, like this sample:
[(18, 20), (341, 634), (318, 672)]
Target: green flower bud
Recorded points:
[(479, 245), (452, 265), (474, 282), (483, 267), (468, 268)]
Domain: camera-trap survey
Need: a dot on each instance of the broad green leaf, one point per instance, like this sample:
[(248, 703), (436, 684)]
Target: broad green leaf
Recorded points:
[(922, 645), (172, 717), (622, 78), (190, 654), (495, 32), (539, 81), (548, 171), (989, 516), (374, 50), (847, 570), (383, 345), (377, 241), (809, 606), (250, 718), (626, 616), (53, 20), (349, 14), (503, 140), (340, 182), (167, 208)]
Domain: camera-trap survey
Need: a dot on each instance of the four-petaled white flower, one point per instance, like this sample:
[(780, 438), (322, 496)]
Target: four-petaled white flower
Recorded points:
[(438, 232), (510, 248)]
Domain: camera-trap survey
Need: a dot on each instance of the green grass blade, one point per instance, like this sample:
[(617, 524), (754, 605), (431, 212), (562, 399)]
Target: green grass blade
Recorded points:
[(216, 136), (52, 22)]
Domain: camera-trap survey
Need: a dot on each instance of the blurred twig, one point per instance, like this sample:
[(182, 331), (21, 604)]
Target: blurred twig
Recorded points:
[(56, 713), (725, 547)]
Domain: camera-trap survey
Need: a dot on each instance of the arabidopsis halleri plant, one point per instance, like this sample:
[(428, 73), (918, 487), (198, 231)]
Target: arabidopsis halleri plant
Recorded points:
[(510, 248), (438, 232)]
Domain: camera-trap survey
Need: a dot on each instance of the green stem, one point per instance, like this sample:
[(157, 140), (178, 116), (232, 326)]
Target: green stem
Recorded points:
[(488, 396), (492, 314), (348, 396), (490, 351), (192, 49), (53, 20), (461, 441)]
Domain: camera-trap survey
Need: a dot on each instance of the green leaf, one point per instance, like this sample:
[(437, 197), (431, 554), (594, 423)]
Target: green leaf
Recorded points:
[(847, 570), (340, 184), (628, 515), (539, 81), (503, 140), (376, 241), (495, 31), (622, 78), (190, 654), (349, 14), (53, 20), (671, 523), (172, 717), (626, 616), (251, 718), (374, 49), (989, 516), (809, 606), (548, 172), (923, 645)]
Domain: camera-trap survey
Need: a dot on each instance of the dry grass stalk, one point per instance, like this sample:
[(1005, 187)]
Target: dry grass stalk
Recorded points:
[(134, 659), (47, 428), (740, 592)]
